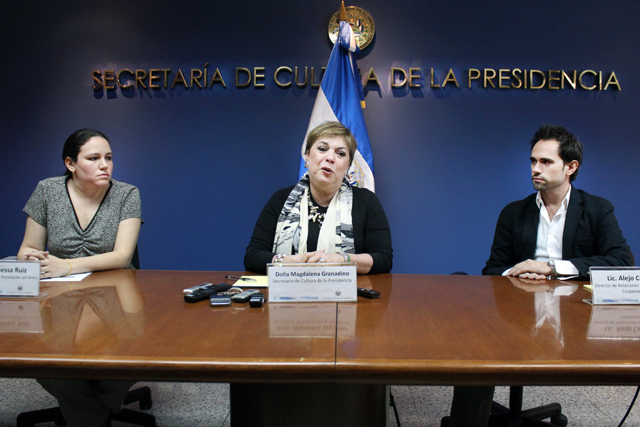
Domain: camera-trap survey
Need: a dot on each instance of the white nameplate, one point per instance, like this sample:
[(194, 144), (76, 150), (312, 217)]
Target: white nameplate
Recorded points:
[(313, 282), (615, 285), (19, 278)]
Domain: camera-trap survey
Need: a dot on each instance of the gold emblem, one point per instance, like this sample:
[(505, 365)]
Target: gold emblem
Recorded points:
[(361, 22)]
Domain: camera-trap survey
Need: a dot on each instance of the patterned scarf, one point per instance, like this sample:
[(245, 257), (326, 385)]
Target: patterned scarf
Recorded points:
[(336, 234)]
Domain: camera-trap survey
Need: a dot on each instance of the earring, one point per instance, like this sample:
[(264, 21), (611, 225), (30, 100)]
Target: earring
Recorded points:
[(305, 164)]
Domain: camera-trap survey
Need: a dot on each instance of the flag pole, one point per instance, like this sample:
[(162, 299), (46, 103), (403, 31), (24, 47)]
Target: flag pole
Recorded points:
[(343, 13), (340, 98)]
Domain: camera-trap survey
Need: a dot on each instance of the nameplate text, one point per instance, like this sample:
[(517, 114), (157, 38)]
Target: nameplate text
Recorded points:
[(615, 285), (312, 282)]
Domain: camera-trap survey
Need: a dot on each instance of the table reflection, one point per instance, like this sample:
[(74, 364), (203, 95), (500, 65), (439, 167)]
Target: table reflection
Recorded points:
[(614, 322), (103, 309), (20, 315), (302, 320), (547, 303), (353, 323)]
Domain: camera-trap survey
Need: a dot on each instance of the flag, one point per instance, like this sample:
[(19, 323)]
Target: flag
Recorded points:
[(340, 98)]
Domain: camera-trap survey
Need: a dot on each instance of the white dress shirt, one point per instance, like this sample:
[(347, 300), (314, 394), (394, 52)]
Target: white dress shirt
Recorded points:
[(550, 232)]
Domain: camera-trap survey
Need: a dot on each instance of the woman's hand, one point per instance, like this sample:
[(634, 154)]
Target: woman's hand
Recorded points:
[(35, 255), (297, 258), (323, 257), (35, 241), (313, 257), (50, 266), (363, 261)]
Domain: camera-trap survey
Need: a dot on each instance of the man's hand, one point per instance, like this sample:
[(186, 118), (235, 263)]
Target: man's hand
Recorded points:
[(530, 269), (530, 285)]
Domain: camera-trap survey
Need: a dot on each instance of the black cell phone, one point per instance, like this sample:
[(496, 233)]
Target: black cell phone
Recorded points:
[(256, 300), (368, 293), (205, 293), (196, 288), (244, 296)]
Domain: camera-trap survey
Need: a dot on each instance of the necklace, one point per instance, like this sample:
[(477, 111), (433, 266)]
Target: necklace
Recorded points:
[(314, 215)]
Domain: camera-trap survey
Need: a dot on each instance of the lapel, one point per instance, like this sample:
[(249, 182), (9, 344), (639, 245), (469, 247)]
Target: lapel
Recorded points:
[(574, 213), (530, 229)]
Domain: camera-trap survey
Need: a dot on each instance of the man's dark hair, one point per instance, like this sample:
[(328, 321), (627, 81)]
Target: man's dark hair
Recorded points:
[(570, 147)]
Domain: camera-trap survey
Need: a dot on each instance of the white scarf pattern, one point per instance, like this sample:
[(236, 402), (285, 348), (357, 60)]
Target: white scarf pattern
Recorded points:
[(336, 234)]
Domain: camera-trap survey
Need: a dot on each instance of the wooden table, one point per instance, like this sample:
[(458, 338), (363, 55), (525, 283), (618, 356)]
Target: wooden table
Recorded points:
[(474, 330), (177, 341), (424, 329)]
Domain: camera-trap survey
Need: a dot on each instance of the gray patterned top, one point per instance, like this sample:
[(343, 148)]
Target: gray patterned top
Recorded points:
[(50, 206)]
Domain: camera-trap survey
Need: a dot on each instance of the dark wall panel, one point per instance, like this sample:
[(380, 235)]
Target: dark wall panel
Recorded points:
[(447, 159)]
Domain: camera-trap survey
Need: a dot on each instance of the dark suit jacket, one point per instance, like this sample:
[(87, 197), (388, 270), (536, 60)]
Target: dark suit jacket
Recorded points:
[(591, 237)]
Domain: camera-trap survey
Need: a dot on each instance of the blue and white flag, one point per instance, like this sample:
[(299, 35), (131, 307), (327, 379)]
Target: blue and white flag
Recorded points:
[(341, 98)]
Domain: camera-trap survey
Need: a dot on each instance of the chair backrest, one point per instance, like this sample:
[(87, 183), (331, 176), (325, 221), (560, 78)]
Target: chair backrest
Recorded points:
[(135, 260)]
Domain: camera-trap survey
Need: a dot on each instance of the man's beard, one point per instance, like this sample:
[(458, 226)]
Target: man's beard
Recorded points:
[(540, 186)]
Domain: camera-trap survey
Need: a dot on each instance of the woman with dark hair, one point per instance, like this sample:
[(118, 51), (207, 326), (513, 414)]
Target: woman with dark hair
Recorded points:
[(85, 220), (323, 218), (80, 222)]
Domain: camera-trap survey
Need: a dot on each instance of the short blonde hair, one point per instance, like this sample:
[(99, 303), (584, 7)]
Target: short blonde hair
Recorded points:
[(326, 129)]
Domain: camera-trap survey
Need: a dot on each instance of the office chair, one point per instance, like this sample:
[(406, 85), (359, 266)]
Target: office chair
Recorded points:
[(514, 416), (135, 259), (141, 395)]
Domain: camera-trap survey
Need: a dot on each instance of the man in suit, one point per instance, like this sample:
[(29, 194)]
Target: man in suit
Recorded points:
[(559, 231)]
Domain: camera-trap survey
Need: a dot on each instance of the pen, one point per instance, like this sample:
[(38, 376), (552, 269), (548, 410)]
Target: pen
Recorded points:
[(239, 278)]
